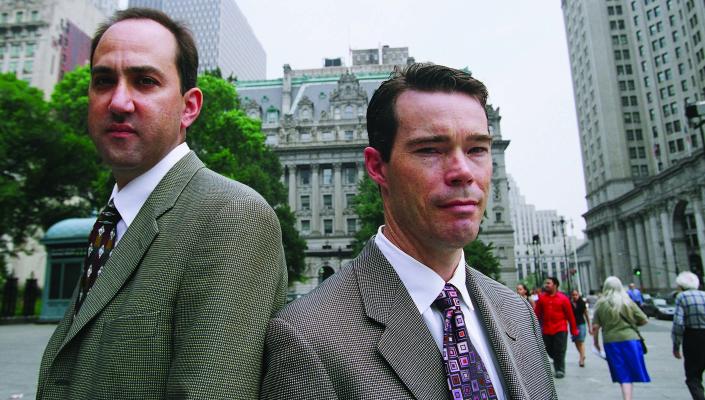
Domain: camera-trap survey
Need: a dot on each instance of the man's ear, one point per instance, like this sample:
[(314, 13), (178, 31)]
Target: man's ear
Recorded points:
[(376, 167), (193, 101)]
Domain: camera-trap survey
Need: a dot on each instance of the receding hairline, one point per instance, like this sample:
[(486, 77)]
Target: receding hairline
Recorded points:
[(174, 42)]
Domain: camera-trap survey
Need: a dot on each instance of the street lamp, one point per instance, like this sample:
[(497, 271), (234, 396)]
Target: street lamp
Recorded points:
[(535, 247), (561, 223)]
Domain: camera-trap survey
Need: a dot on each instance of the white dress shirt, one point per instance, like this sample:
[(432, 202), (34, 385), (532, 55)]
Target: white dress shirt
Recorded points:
[(130, 199), (424, 285)]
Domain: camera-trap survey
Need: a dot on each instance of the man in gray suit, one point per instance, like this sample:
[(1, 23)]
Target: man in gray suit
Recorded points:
[(184, 268), (407, 318)]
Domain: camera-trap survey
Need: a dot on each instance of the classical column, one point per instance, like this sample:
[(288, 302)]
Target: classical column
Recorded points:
[(606, 255), (612, 234), (632, 257), (291, 168), (659, 262), (699, 225), (338, 223), (597, 255), (315, 200), (644, 259), (668, 246)]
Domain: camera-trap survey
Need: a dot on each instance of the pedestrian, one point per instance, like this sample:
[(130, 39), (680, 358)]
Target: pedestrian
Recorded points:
[(617, 315), (555, 314), (635, 295), (689, 330), (582, 320), (184, 267), (524, 293), (408, 318), (591, 299)]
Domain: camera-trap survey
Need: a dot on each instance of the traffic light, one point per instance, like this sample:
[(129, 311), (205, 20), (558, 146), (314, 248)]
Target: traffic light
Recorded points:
[(637, 271)]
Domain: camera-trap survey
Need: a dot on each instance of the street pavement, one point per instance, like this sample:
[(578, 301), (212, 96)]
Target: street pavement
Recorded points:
[(21, 348)]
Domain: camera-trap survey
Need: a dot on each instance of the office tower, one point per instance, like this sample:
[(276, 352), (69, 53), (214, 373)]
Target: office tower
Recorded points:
[(315, 121), (41, 40), (635, 66), (224, 38)]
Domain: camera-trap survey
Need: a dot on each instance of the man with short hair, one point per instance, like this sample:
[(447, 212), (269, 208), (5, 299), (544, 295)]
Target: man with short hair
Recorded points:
[(555, 313), (635, 294), (184, 267), (689, 330), (407, 318)]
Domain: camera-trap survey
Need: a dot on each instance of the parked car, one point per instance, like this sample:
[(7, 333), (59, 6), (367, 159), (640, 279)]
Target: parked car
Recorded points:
[(658, 307)]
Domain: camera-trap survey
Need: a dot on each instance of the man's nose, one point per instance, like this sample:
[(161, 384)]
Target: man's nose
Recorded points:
[(458, 168), (121, 101)]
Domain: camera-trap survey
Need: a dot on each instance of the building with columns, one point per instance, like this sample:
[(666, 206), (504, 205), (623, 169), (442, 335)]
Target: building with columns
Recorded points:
[(315, 119), (635, 66)]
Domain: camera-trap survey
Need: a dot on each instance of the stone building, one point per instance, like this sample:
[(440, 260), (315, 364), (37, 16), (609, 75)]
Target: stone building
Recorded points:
[(41, 40), (635, 65), (315, 120)]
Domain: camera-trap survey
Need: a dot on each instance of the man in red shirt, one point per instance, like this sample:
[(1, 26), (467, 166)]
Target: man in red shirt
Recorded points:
[(554, 313)]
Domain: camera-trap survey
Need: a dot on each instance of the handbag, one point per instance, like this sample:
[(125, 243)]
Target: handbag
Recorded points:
[(644, 349)]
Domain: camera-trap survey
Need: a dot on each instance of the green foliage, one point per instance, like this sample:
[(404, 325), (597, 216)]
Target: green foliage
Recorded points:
[(369, 208), (233, 145), (42, 167), (370, 211), (479, 256)]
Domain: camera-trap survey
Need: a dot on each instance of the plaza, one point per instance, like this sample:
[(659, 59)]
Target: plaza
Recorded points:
[(21, 348)]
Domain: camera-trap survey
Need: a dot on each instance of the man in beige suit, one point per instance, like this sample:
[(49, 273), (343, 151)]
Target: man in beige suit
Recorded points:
[(184, 267), (408, 319)]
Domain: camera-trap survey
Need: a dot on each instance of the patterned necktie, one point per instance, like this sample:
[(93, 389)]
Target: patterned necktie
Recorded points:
[(467, 375), (100, 245)]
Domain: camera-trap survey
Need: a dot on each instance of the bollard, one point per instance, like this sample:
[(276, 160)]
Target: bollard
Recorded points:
[(31, 293), (9, 297)]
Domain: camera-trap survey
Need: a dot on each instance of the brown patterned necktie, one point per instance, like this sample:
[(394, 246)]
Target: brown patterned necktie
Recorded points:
[(467, 374), (100, 245)]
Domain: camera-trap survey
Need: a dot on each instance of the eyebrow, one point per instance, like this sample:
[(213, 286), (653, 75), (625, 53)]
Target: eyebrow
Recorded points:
[(475, 137), (136, 70)]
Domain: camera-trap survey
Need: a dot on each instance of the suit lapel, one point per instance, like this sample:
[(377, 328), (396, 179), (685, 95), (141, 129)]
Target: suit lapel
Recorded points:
[(136, 241), (500, 333), (406, 343)]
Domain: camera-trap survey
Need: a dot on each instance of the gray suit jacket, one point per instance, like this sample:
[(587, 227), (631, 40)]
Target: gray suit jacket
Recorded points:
[(181, 306), (360, 336)]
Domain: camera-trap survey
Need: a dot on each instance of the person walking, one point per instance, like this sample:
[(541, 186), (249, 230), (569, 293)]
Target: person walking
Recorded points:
[(524, 293), (635, 295), (617, 315), (554, 314), (582, 320), (689, 330)]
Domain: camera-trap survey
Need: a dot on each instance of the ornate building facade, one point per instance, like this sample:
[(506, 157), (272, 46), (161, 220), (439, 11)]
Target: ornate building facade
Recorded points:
[(315, 120)]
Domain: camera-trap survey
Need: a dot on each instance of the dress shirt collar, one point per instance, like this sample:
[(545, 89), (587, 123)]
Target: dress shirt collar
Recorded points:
[(423, 284), (130, 199)]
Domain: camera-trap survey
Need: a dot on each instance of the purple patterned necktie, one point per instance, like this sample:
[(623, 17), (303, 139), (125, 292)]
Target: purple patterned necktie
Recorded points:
[(467, 376), (100, 245)]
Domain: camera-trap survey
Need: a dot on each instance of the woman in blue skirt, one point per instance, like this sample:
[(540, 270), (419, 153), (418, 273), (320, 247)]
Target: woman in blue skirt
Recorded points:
[(618, 316)]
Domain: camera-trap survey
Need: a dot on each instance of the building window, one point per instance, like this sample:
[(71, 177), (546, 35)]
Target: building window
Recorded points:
[(498, 217), (327, 135), (305, 226), (349, 135), (35, 15), (327, 176), (327, 226), (352, 226), (28, 66), (19, 16), (305, 176), (327, 201), (15, 50), (350, 175), (29, 49), (349, 112), (305, 202), (350, 200), (272, 116)]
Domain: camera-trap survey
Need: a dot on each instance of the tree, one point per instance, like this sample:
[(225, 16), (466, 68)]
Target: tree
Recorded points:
[(233, 145), (42, 168), (368, 206)]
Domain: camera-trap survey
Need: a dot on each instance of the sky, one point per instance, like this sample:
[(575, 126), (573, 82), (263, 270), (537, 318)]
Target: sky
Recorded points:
[(517, 48)]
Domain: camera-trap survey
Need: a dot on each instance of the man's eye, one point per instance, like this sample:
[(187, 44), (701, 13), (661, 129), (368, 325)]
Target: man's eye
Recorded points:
[(427, 150), (147, 81), (102, 81), (478, 150)]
